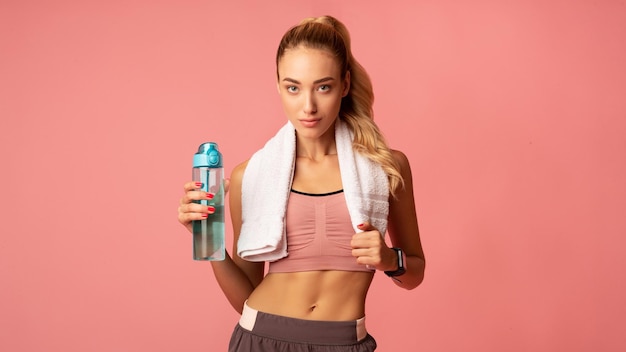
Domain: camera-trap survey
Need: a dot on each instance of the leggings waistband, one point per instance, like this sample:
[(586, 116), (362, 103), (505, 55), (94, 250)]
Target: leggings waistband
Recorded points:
[(294, 329)]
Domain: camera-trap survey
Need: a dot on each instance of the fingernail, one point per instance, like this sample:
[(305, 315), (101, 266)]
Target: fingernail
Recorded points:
[(209, 195), (359, 225), (198, 184), (205, 215), (211, 209)]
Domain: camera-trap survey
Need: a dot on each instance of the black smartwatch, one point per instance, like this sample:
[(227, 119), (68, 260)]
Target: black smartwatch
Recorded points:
[(401, 260)]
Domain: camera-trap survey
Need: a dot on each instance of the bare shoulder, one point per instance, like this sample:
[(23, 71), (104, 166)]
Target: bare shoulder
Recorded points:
[(237, 173), (402, 161)]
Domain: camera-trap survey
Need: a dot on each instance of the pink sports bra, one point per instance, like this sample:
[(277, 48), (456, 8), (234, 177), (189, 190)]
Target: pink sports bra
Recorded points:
[(319, 232)]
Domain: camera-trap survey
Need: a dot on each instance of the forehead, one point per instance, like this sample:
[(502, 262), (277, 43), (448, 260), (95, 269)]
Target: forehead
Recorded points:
[(305, 64)]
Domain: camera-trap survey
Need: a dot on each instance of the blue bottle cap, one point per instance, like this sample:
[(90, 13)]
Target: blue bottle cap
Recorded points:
[(208, 156)]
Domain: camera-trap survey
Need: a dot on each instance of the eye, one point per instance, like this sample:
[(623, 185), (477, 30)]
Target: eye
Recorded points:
[(292, 89), (324, 88)]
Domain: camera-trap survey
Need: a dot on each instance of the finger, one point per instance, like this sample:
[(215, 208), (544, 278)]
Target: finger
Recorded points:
[(366, 260), (194, 211), (193, 208), (191, 196), (192, 185), (366, 226), (186, 218), (368, 239), (196, 208), (367, 257), (360, 252), (359, 242)]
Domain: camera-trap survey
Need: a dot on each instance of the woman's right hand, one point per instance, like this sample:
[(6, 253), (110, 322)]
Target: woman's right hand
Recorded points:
[(189, 211)]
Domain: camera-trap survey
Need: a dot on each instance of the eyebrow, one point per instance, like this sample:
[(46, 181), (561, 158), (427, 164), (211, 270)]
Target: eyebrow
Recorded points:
[(321, 80)]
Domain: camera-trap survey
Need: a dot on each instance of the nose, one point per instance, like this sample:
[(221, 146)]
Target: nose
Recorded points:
[(310, 107)]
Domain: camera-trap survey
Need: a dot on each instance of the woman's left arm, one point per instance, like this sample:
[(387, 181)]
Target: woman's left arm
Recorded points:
[(369, 246), (403, 229)]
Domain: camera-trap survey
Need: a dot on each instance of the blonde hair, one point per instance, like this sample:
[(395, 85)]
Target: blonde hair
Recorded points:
[(328, 33)]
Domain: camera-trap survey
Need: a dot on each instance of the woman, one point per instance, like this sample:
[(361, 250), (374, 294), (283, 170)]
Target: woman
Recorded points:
[(313, 297)]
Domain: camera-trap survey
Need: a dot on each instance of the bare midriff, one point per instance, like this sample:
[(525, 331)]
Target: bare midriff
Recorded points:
[(313, 295)]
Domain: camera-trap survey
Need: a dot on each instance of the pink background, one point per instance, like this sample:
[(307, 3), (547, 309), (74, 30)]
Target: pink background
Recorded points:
[(512, 113)]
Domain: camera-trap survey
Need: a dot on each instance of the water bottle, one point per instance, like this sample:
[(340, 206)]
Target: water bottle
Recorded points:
[(208, 234)]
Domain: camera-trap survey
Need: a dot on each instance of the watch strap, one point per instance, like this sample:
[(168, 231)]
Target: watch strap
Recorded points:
[(401, 263)]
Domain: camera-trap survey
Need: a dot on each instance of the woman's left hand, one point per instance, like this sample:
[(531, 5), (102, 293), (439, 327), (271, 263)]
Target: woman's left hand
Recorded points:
[(370, 249)]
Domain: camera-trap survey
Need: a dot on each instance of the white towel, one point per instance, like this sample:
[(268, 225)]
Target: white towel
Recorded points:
[(266, 186)]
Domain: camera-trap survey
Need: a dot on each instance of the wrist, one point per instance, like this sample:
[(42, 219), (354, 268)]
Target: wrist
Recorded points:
[(400, 263)]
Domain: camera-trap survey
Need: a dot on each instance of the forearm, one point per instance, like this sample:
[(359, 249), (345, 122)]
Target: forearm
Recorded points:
[(236, 286), (414, 274)]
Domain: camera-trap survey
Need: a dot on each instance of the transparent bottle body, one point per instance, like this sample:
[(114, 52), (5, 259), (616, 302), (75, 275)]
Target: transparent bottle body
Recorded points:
[(208, 234)]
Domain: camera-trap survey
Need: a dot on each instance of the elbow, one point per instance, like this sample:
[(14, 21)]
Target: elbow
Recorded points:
[(415, 278), (416, 282), (238, 309), (411, 282)]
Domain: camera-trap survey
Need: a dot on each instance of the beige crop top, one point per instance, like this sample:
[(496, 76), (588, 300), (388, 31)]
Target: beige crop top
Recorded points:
[(319, 232)]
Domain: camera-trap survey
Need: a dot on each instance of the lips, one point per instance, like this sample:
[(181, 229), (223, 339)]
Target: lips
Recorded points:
[(309, 122)]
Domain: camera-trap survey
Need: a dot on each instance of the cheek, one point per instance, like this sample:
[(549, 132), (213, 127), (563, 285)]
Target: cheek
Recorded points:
[(289, 103), (333, 102)]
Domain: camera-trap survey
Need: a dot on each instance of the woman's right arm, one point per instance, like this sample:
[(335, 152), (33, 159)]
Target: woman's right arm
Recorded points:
[(237, 277)]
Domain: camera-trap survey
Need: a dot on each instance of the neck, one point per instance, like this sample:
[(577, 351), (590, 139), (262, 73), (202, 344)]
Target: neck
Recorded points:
[(316, 150), (317, 147)]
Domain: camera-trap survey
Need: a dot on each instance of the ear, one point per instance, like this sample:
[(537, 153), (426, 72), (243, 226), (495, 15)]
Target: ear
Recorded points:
[(346, 84)]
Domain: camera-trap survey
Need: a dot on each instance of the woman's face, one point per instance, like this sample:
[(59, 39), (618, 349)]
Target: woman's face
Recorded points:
[(311, 88)]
